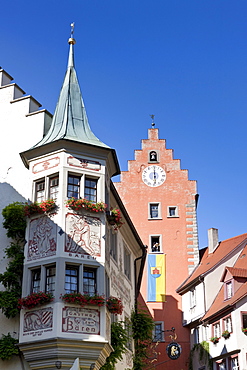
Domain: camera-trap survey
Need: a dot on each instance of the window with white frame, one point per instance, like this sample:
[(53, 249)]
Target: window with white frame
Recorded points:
[(40, 191), (192, 297), (53, 187), (158, 331), (127, 262), (154, 210), (155, 241), (50, 279), (228, 324), (216, 330), (35, 280), (228, 289), (172, 211)]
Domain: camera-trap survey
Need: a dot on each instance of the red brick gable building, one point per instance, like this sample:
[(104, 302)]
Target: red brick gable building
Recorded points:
[(161, 202)]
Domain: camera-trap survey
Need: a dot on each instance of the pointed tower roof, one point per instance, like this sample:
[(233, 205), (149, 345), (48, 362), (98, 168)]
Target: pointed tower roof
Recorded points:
[(70, 120)]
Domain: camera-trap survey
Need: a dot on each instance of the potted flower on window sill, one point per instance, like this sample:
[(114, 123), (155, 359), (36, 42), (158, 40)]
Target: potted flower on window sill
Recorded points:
[(244, 330), (226, 334), (35, 299), (114, 305), (46, 207), (83, 299), (88, 205), (114, 218), (214, 340)]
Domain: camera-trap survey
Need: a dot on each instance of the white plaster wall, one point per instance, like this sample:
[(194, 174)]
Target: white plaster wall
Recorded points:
[(212, 280), (191, 314), (18, 132)]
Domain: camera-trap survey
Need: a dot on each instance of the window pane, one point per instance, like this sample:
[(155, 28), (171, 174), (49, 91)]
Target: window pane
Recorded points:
[(154, 210), (50, 279), (90, 189), (71, 279), (155, 244), (53, 187), (35, 288), (40, 191), (89, 281), (73, 187)]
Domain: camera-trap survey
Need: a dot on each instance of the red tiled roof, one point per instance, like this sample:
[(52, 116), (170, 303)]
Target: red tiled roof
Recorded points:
[(219, 304), (237, 272), (209, 261)]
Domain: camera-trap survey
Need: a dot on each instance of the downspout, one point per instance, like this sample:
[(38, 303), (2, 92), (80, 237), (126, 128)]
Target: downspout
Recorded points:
[(139, 278)]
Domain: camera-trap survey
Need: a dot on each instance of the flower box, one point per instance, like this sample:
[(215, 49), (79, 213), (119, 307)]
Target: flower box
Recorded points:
[(244, 330), (226, 334), (35, 299), (79, 204), (114, 305), (214, 340), (47, 206), (83, 299), (114, 218)]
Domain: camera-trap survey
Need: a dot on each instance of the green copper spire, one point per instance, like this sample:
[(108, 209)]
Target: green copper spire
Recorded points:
[(70, 119)]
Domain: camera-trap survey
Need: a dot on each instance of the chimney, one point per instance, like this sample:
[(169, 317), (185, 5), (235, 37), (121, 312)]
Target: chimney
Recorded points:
[(213, 240)]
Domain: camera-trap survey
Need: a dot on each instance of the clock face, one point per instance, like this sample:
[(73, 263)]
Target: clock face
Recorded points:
[(153, 176)]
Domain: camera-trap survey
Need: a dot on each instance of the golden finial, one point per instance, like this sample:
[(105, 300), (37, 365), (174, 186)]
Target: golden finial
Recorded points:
[(71, 39)]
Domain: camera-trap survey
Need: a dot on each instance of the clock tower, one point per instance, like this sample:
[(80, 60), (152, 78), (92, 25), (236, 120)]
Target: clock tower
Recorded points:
[(161, 202)]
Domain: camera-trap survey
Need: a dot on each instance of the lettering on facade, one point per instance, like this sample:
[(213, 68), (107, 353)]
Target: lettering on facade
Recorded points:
[(42, 238), (80, 320), (46, 165), (82, 235), (84, 163), (36, 320), (117, 283)]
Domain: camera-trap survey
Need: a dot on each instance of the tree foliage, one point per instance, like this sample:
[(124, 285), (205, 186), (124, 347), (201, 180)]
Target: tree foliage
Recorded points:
[(119, 340), (8, 347), (11, 278)]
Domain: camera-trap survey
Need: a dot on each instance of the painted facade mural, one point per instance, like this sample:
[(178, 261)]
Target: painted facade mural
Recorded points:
[(42, 238), (80, 320), (37, 322), (83, 235)]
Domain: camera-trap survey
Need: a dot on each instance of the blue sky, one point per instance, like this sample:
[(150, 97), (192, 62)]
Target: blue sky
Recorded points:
[(183, 60)]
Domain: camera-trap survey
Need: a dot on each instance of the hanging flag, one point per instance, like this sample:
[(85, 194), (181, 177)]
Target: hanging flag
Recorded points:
[(156, 278)]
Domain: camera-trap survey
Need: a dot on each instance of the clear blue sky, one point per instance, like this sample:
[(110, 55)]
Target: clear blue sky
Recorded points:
[(183, 60)]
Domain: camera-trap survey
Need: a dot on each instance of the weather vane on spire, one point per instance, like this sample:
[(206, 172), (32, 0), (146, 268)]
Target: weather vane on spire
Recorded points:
[(152, 116), (72, 29)]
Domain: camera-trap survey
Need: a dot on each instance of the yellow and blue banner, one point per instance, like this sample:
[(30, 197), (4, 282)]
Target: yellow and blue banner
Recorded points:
[(156, 278)]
